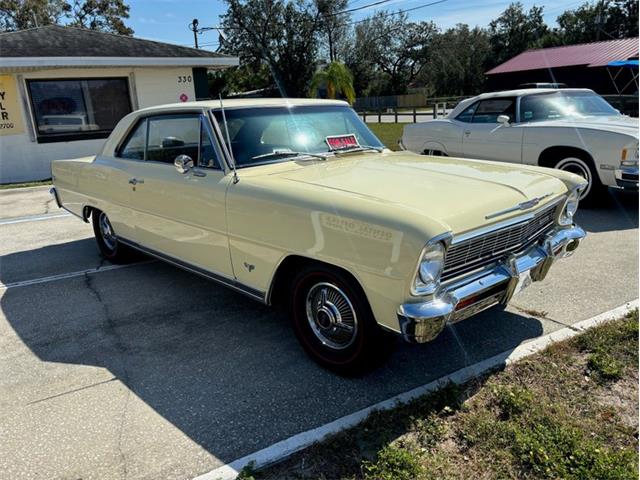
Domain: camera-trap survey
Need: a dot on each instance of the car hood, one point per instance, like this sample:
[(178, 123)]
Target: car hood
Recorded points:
[(614, 123), (457, 192)]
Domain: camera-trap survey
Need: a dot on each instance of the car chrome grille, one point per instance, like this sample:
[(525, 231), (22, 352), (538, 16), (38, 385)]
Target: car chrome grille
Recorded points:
[(482, 250)]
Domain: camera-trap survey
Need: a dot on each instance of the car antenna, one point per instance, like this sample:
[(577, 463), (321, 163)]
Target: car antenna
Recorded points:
[(226, 130)]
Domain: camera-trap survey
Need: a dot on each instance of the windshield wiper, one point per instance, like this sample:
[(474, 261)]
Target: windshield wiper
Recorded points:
[(359, 148), (288, 153)]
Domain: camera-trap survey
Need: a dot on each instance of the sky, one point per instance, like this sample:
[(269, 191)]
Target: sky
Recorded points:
[(168, 20)]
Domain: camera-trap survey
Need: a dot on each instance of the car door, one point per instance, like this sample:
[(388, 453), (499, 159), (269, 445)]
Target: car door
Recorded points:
[(182, 215), (114, 175), (485, 138)]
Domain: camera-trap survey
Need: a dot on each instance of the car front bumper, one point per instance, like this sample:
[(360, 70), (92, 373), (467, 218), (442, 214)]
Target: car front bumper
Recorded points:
[(421, 322), (627, 177)]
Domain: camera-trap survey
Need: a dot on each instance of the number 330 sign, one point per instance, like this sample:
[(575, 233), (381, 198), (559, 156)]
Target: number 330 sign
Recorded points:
[(184, 78)]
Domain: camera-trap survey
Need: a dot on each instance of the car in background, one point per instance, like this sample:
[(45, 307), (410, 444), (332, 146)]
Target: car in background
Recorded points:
[(575, 130), (297, 202)]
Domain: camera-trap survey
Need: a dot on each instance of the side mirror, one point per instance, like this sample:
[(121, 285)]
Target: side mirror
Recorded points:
[(504, 120), (183, 163)]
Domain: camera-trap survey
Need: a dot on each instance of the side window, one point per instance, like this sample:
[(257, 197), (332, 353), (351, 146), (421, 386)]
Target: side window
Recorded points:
[(488, 110), (133, 148), (208, 157), (173, 135), (467, 114)]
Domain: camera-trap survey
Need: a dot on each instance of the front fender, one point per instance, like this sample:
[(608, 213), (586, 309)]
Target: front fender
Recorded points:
[(378, 244)]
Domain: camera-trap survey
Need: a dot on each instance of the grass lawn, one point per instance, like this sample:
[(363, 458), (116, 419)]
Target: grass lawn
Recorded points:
[(388, 133), (569, 412), (39, 183)]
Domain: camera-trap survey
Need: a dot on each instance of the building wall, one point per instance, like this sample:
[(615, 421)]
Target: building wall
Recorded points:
[(23, 159)]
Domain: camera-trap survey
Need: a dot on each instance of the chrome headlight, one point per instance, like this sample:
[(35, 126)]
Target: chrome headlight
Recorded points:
[(570, 207), (429, 269)]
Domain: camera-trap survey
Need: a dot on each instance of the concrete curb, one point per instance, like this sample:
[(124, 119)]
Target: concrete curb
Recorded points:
[(285, 448)]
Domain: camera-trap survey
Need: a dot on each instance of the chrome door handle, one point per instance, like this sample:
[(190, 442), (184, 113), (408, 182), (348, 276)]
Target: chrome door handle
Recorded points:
[(135, 181), (467, 132), (198, 173)]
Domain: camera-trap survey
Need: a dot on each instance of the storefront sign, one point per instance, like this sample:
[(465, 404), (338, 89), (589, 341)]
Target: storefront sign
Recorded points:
[(10, 114)]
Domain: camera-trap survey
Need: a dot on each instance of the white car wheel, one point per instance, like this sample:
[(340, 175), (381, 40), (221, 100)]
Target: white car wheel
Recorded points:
[(579, 167)]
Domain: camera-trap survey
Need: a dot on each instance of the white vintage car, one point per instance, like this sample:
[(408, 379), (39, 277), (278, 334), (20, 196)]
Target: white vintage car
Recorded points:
[(571, 129), (296, 201)]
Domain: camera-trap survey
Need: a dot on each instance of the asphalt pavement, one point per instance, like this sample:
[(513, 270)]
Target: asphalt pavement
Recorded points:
[(147, 371)]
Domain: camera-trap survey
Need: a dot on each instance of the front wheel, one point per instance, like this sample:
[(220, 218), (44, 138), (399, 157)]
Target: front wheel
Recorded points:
[(334, 323), (108, 244), (584, 169)]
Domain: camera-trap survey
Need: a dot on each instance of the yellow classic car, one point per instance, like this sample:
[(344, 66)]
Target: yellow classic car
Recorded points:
[(296, 202)]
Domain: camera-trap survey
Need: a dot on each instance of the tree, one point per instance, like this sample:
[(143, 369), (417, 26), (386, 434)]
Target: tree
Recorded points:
[(515, 31), (394, 50), (604, 20), (337, 79), (279, 33), (21, 14), (103, 15), (458, 61), (333, 26)]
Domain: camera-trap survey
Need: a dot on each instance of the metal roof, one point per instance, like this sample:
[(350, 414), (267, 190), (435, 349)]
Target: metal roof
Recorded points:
[(596, 54)]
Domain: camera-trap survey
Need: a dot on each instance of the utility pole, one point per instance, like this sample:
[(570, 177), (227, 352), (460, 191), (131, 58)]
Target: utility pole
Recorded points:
[(193, 26)]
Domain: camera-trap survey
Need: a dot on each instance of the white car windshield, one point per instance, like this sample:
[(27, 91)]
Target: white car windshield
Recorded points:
[(262, 135), (555, 105)]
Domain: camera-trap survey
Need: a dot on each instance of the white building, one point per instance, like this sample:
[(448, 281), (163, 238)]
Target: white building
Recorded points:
[(62, 90)]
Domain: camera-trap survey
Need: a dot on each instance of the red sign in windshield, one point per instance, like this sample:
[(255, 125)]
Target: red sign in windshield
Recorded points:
[(341, 142)]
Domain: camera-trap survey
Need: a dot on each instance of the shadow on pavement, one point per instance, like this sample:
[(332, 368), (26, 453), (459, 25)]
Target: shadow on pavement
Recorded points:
[(617, 211), (224, 370)]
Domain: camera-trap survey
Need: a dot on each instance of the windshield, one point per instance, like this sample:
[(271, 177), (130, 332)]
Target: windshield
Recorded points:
[(554, 105), (276, 134)]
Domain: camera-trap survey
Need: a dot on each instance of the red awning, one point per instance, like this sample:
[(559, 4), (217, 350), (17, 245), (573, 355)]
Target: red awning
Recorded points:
[(597, 54)]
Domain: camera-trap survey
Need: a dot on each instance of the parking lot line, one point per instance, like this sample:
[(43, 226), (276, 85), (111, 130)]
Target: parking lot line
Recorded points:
[(285, 448), (63, 276), (33, 218)]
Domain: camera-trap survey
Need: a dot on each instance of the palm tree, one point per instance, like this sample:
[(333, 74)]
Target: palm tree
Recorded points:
[(337, 79)]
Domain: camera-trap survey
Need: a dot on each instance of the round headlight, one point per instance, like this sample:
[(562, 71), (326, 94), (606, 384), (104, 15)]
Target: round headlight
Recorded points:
[(570, 207), (430, 269)]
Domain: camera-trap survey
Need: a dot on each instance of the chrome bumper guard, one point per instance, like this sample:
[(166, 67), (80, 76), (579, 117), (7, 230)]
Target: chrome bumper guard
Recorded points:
[(462, 298)]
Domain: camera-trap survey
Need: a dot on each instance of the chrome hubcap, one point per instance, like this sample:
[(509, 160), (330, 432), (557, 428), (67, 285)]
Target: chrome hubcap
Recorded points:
[(331, 316), (108, 237)]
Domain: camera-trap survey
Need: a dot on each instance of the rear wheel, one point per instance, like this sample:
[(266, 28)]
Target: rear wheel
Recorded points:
[(334, 323), (584, 168), (110, 247)]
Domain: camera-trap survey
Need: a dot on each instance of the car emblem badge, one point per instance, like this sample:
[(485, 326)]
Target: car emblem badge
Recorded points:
[(521, 206)]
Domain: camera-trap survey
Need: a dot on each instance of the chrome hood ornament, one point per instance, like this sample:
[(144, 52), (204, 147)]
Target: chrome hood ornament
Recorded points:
[(521, 206)]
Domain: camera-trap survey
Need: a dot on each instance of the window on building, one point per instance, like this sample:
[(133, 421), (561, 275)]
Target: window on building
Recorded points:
[(78, 109)]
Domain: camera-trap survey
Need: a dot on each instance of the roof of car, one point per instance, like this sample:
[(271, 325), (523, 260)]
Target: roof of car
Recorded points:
[(244, 103), (509, 93)]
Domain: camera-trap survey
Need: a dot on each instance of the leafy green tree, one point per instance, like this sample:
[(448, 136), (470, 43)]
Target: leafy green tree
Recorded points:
[(103, 15), (337, 79), (282, 34), (459, 58), (515, 31), (21, 14), (333, 26), (603, 20), (393, 50)]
